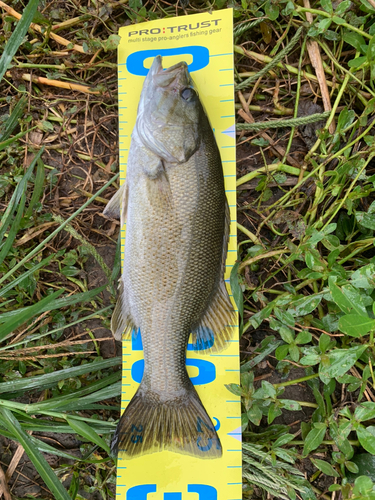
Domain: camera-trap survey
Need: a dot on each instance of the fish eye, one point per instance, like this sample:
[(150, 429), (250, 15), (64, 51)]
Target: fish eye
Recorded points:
[(188, 93)]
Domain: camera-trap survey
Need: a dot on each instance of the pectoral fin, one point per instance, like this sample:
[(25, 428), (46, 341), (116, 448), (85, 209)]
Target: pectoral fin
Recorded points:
[(118, 204), (159, 191), (151, 163), (158, 187)]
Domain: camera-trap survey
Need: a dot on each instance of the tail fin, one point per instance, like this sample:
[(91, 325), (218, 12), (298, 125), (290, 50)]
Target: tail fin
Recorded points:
[(180, 425)]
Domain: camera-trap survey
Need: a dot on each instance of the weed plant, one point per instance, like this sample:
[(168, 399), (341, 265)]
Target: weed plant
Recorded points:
[(304, 281)]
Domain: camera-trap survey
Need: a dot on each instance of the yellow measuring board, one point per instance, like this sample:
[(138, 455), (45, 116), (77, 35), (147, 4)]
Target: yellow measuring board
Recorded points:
[(205, 42)]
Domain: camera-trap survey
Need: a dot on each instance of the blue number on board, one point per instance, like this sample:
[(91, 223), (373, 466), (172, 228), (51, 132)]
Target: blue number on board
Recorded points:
[(206, 375), (140, 492), (135, 61), (198, 346)]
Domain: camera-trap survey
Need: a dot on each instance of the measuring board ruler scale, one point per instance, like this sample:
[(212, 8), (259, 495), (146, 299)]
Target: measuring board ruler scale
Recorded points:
[(204, 42)]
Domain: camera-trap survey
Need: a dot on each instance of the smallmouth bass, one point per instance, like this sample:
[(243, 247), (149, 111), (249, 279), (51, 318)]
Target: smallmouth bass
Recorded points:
[(173, 275)]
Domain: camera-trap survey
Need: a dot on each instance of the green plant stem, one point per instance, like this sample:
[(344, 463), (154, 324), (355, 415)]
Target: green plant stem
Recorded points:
[(70, 22), (291, 69), (244, 242), (320, 494), (339, 80), (267, 109), (42, 66), (268, 168), (355, 141), (298, 91), (267, 255), (337, 100), (326, 14), (307, 404), (312, 150), (252, 236), (53, 234), (349, 190), (319, 192), (328, 442), (370, 363), (356, 251), (13, 405), (272, 227), (298, 287), (344, 70), (277, 205), (297, 380), (280, 40)]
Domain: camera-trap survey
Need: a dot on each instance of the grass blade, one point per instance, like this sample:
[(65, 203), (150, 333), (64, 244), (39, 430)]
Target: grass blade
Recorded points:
[(53, 234), (94, 391), (46, 448), (12, 121), (38, 188), (49, 379), (41, 425), (37, 336), (39, 462), (18, 192), (88, 433), (17, 36), (98, 406), (37, 425), (43, 447), (56, 304), (23, 276), (8, 142), (22, 410), (13, 230), (13, 323), (85, 403)]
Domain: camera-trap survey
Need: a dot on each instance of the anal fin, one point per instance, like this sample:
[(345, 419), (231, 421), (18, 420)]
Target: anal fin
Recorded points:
[(215, 328)]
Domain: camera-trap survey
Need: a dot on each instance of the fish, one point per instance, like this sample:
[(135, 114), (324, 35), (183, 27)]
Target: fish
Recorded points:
[(172, 285)]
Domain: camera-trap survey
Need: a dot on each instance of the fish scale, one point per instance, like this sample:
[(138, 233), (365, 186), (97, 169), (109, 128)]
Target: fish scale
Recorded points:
[(188, 267), (172, 283)]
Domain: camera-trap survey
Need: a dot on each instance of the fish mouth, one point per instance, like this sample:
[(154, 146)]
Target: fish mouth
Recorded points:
[(166, 77)]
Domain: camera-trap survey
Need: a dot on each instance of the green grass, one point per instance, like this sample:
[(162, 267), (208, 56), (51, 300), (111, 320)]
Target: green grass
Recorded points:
[(304, 282)]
